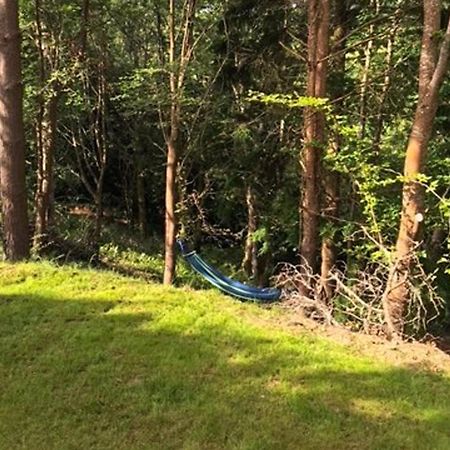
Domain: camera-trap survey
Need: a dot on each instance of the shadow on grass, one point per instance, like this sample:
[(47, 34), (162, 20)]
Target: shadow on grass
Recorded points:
[(115, 374), (149, 274)]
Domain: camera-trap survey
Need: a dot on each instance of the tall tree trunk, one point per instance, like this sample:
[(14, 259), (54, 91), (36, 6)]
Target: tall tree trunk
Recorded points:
[(12, 138), (330, 177), (172, 159), (46, 135), (176, 84), (314, 134), (432, 69)]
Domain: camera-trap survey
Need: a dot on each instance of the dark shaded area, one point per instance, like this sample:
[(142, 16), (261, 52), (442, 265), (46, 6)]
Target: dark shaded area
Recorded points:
[(443, 343)]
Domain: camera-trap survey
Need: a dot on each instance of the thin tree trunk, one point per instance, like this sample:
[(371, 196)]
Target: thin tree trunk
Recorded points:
[(384, 91), (46, 136), (176, 84), (45, 172), (172, 160), (84, 29), (99, 203), (98, 217), (365, 76), (250, 261), (432, 69), (331, 212), (12, 138), (171, 222), (102, 153), (141, 200), (330, 177), (160, 35), (314, 134)]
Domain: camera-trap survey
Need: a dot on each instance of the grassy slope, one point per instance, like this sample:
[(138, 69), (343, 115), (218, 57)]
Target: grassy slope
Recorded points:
[(94, 360)]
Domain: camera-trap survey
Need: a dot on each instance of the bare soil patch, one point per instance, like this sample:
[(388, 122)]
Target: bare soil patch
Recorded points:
[(433, 354)]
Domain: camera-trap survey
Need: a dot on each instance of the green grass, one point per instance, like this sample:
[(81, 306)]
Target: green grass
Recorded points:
[(92, 360)]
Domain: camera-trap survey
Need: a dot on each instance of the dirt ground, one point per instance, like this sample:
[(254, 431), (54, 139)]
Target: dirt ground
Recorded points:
[(433, 354)]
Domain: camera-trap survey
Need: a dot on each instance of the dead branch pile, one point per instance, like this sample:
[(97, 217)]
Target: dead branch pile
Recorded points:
[(358, 296)]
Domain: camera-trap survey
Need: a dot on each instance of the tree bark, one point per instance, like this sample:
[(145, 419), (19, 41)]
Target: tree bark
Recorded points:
[(250, 261), (12, 138), (314, 134), (176, 84), (45, 172), (46, 130), (172, 159), (171, 221), (330, 177), (432, 69)]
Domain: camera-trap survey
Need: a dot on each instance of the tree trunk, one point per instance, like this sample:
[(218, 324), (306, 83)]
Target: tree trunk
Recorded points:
[(330, 177), (384, 91), (45, 141), (141, 201), (171, 222), (365, 75), (45, 172), (85, 19), (331, 212), (12, 138), (172, 160), (176, 84), (314, 135), (102, 152), (432, 69), (250, 261), (98, 217)]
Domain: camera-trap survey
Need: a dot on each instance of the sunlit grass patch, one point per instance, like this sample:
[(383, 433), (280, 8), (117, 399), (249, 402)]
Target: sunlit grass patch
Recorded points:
[(95, 360)]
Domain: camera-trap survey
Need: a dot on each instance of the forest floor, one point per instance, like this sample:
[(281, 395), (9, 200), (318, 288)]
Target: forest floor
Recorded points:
[(92, 359)]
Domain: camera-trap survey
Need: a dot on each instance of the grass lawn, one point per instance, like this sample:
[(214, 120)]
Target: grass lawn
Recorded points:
[(92, 360)]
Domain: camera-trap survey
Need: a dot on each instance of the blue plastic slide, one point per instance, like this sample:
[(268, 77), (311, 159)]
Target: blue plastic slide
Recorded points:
[(225, 284)]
